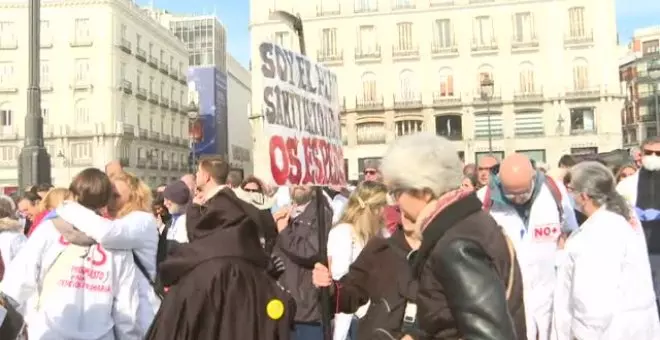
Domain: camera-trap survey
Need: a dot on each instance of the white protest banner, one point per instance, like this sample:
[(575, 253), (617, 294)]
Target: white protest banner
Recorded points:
[(301, 109)]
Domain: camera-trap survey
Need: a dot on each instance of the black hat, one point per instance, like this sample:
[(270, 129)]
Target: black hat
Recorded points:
[(177, 192)]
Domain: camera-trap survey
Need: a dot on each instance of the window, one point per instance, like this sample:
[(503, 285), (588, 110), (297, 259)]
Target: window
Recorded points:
[(182, 99), (584, 151), (151, 122), (576, 22), (651, 47), (583, 119), (138, 40), (7, 34), (329, 42), (580, 75), (45, 112), (366, 5), (282, 39), (122, 111), (407, 88), (537, 156), (443, 35), (526, 74), (82, 70), (82, 112), (6, 73), (6, 116), (81, 30), (163, 90), (162, 124), (45, 32), (162, 56), (449, 126), (405, 38), (123, 30), (81, 150), (529, 124), (481, 125), (122, 71), (369, 93), (367, 39), (151, 84), (499, 155), (173, 123), (138, 117), (483, 72), (171, 62), (407, 127), (151, 49), (370, 133), (138, 79), (8, 153), (523, 28), (446, 83), (482, 31)]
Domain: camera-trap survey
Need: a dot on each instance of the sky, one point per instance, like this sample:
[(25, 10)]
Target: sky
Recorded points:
[(235, 14)]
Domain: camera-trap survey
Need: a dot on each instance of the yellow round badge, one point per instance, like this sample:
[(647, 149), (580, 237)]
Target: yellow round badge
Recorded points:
[(275, 309)]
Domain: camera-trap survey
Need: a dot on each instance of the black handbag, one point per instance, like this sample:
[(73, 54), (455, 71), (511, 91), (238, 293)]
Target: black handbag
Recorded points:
[(12, 324)]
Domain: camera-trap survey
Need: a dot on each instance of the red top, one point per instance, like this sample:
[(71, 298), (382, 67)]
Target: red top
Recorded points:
[(392, 216), (37, 220)]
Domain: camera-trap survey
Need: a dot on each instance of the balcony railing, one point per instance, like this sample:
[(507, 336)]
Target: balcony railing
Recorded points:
[(164, 102), (331, 57), (528, 96), (174, 106), (153, 62), (164, 69), (583, 93), (81, 42), (140, 54), (647, 118), (372, 54), (127, 129), (580, 130), (153, 98), (325, 12), (144, 133), (142, 163), (444, 50), (173, 73), (369, 104), (441, 3), (125, 46), (584, 38), (451, 135), (127, 86), (407, 102), (403, 52), (403, 5), (141, 93), (8, 88), (365, 8), (524, 44), (8, 44), (495, 98), (484, 46), (445, 99)]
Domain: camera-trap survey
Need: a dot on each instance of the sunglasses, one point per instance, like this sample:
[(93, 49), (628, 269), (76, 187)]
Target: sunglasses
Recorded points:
[(370, 172), (651, 152)]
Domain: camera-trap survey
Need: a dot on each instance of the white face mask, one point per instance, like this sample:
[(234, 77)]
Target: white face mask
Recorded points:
[(651, 162)]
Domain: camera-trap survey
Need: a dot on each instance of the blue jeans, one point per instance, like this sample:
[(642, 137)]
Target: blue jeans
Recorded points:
[(306, 331), (352, 334)]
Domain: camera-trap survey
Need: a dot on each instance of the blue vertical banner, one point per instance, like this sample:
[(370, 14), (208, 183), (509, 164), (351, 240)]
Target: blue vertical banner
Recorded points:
[(203, 81), (221, 114)]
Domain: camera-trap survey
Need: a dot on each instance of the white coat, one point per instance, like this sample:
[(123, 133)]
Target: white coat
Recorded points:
[(93, 297), (11, 239), (604, 288), (536, 251), (178, 231), (137, 231)]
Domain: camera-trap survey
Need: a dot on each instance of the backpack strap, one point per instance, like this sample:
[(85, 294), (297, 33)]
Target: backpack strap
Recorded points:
[(160, 292), (556, 195)]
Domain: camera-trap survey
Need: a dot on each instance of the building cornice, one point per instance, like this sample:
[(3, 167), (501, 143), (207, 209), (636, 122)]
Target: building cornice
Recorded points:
[(125, 6)]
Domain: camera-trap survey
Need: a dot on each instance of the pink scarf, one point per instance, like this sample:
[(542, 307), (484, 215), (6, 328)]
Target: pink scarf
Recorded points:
[(435, 207)]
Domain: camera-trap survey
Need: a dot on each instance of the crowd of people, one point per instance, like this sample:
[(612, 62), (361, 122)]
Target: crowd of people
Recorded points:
[(424, 247)]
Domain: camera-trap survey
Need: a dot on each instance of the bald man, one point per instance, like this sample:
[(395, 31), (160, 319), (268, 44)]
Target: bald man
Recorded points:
[(484, 169), (189, 179), (113, 168), (533, 210)]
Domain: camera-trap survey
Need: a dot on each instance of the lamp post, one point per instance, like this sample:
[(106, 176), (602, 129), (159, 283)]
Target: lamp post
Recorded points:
[(194, 131), (295, 23), (34, 162), (487, 86), (654, 73)]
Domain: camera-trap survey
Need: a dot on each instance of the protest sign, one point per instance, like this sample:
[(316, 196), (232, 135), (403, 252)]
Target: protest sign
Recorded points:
[(300, 105)]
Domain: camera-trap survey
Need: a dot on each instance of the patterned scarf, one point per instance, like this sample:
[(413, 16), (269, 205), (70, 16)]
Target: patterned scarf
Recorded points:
[(435, 207)]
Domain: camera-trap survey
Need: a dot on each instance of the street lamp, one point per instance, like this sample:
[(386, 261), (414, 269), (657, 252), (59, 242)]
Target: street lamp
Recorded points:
[(194, 130), (34, 162), (295, 23), (487, 89), (653, 69)]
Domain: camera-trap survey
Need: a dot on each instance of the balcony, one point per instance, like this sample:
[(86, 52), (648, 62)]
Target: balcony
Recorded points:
[(408, 102), (126, 86), (8, 88), (647, 118), (164, 69), (182, 79), (8, 44), (326, 12), (144, 133), (584, 93), (524, 44), (365, 8), (165, 164), (441, 3), (580, 39), (480, 47), (126, 129), (153, 62), (141, 55), (173, 73), (371, 54), (142, 163), (155, 136), (46, 86), (446, 100), (81, 85), (153, 98), (403, 5), (400, 52), (531, 96), (125, 46), (495, 99), (330, 57), (46, 42), (164, 102), (174, 106), (141, 93), (372, 104), (81, 42), (444, 50)]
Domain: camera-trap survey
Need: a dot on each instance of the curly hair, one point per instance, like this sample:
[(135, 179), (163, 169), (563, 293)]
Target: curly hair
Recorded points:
[(139, 198)]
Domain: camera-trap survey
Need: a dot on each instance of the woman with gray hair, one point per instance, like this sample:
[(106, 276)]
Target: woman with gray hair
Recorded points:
[(469, 280), (604, 287)]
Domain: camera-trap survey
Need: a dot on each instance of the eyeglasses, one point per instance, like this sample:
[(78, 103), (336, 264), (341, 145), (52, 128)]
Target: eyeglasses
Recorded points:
[(370, 172), (651, 152), (251, 190)]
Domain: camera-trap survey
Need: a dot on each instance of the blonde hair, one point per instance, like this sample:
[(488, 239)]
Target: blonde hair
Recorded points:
[(364, 210), (139, 198), (53, 198)]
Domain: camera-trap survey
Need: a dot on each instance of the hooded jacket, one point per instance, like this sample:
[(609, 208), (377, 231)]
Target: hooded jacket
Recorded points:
[(219, 285)]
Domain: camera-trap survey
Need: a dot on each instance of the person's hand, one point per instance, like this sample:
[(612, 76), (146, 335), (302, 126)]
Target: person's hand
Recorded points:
[(282, 218), (407, 337), (561, 241), (321, 276), (199, 198)]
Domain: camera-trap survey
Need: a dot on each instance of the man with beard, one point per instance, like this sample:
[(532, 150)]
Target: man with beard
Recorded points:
[(642, 191), (297, 245), (219, 287)]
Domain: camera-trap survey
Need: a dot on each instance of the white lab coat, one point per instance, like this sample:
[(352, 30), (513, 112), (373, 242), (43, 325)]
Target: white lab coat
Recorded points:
[(604, 289), (178, 231), (536, 252), (137, 231), (343, 250), (11, 239), (96, 299)]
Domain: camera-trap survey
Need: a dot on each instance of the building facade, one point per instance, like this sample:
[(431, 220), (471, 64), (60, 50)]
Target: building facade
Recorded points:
[(638, 117), (112, 81), (410, 65), (239, 96)]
